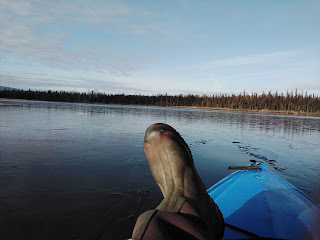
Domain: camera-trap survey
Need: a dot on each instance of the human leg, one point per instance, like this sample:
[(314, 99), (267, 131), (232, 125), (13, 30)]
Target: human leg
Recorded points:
[(187, 209)]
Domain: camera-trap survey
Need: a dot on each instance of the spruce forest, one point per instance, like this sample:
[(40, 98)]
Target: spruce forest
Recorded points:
[(289, 102)]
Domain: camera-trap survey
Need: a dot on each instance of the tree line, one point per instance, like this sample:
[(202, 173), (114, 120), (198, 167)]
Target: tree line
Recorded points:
[(298, 102)]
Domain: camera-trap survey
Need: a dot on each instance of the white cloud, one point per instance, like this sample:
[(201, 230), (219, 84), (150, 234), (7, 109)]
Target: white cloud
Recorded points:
[(100, 82), (309, 84), (248, 60), (44, 36), (145, 29), (16, 7), (20, 37), (46, 10), (279, 70)]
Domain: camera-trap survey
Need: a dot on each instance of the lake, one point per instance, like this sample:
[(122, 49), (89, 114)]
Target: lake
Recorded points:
[(78, 171)]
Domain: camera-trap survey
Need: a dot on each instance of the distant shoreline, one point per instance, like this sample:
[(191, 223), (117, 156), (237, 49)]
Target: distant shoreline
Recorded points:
[(291, 113), (266, 111), (291, 104), (263, 111)]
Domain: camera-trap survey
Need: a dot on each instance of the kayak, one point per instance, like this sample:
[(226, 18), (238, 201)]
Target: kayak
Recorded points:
[(257, 203)]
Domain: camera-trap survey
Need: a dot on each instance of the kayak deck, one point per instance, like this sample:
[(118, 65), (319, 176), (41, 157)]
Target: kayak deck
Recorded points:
[(265, 205)]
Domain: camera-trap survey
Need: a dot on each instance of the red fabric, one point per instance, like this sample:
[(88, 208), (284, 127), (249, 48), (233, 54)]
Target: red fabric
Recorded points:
[(188, 209), (185, 224)]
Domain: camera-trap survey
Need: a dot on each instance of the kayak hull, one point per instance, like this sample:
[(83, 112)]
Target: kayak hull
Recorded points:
[(263, 204)]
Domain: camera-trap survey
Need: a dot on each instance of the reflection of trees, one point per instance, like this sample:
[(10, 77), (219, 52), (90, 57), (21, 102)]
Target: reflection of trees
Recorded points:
[(273, 123), (298, 102), (217, 119)]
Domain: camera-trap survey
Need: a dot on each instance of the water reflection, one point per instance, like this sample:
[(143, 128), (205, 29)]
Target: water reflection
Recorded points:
[(243, 120), (79, 171)]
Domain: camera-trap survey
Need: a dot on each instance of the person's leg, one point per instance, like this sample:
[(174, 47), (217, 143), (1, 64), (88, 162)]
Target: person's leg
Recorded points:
[(187, 211)]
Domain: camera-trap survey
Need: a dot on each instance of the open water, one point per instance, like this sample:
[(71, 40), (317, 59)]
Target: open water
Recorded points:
[(78, 171)]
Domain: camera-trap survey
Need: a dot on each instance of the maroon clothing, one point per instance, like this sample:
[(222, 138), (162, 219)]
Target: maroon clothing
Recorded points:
[(185, 224)]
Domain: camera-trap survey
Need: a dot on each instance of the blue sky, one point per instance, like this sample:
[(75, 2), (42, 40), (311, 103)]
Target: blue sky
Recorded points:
[(151, 47)]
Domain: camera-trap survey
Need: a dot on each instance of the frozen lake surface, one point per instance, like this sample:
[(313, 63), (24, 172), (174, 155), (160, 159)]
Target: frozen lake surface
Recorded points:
[(78, 171)]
